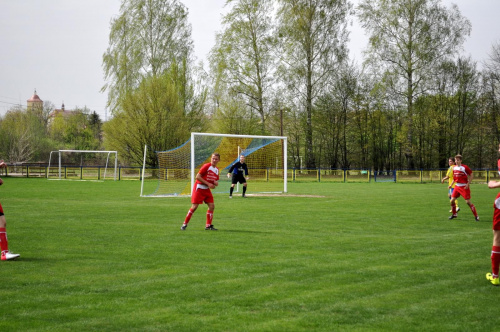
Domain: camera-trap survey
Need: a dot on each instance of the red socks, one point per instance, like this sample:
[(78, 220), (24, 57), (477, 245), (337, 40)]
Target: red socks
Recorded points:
[(495, 260), (188, 216), (210, 216), (4, 246), (473, 209)]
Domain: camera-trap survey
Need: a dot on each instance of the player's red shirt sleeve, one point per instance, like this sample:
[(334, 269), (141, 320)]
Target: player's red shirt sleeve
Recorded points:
[(204, 169), (203, 172), (467, 170)]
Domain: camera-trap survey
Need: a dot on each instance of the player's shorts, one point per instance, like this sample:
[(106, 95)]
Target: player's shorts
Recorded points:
[(461, 191), (496, 213), (238, 178), (201, 195)]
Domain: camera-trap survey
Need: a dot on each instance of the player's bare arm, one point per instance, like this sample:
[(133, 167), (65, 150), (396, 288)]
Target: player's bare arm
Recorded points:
[(493, 184), (469, 180)]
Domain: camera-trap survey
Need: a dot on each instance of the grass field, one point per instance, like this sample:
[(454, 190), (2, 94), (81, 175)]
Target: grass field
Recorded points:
[(365, 257)]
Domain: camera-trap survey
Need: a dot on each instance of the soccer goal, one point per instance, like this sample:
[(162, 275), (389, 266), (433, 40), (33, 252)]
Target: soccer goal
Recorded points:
[(265, 157), (82, 164)]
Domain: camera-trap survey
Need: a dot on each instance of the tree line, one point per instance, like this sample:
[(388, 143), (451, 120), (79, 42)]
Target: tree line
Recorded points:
[(282, 67)]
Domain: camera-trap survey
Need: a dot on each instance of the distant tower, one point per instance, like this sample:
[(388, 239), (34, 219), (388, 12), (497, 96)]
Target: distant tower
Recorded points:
[(35, 102)]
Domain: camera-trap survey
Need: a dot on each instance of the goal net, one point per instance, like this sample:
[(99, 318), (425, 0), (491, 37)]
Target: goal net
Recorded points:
[(83, 165), (265, 157)]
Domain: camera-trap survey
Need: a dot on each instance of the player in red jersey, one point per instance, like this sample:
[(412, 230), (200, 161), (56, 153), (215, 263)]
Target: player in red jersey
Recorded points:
[(495, 250), (462, 177), (206, 179), (4, 245)]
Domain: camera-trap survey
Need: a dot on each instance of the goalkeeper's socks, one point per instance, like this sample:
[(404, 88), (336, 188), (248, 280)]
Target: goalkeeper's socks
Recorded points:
[(495, 260), (210, 217), (231, 191), (188, 216), (244, 190), (3, 240)]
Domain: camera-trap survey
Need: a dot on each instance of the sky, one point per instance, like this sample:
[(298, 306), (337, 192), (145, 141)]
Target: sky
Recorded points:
[(56, 46)]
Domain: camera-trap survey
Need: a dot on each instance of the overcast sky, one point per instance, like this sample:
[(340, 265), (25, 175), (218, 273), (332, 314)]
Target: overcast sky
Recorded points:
[(56, 46)]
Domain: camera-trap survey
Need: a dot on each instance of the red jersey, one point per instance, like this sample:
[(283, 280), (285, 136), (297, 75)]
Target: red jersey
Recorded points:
[(461, 175), (496, 213), (209, 173)]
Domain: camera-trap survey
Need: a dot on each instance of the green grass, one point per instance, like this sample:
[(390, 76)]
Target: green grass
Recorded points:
[(375, 256)]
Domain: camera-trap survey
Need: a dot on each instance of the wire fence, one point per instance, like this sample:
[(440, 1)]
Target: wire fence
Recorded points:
[(71, 172)]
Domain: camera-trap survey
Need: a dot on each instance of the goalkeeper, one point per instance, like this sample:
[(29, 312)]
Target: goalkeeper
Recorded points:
[(239, 170)]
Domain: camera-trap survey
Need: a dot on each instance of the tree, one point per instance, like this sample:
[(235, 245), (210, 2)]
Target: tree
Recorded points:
[(245, 53), (78, 130), (333, 117), (146, 39), (22, 136), (313, 37), (492, 87), (410, 38), (152, 114)]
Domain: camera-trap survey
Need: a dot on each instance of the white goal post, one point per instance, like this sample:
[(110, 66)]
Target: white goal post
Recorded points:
[(60, 161), (265, 157)]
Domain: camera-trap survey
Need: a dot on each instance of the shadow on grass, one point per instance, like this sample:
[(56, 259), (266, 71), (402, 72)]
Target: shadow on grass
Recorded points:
[(241, 231)]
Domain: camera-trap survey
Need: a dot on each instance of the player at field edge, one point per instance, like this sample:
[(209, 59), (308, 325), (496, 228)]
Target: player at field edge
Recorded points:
[(449, 177), (239, 171), (206, 179), (495, 250), (4, 245), (462, 177)]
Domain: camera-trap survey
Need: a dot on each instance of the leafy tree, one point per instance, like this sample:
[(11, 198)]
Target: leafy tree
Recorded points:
[(313, 37), (78, 130), (410, 38), (152, 114), (492, 88), (145, 39), (22, 136), (245, 54)]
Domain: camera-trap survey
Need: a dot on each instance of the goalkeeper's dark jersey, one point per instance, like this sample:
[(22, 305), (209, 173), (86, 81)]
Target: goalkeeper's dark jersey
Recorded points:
[(239, 169)]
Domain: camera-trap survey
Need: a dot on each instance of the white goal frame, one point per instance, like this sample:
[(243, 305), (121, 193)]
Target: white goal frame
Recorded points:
[(285, 149), (84, 151)]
